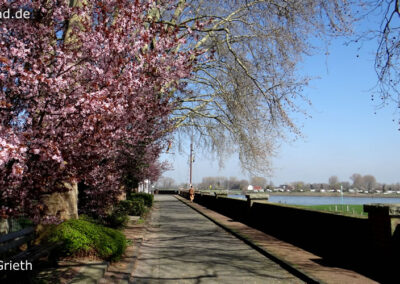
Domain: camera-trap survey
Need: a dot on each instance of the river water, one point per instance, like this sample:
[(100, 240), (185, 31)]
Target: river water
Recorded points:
[(319, 200)]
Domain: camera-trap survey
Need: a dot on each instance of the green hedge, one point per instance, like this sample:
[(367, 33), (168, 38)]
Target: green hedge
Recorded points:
[(80, 236), (147, 198), (118, 217), (135, 207)]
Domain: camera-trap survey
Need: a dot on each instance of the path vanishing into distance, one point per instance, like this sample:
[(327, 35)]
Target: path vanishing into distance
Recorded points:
[(183, 246)]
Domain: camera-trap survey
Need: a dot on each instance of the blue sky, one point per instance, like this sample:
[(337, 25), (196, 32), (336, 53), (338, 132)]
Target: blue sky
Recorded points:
[(344, 135)]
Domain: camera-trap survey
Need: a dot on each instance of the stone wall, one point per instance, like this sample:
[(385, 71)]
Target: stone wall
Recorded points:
[(365, 244)]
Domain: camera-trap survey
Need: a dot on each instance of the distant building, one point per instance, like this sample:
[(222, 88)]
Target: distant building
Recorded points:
[(279, 189), (144, 186), (257, 188)]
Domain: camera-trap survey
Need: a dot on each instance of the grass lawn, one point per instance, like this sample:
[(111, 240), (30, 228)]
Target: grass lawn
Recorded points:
[(348, 209)]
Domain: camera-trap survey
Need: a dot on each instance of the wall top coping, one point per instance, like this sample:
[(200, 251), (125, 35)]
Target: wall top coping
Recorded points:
[(221, 192), (257, 196), (220, 195), (390, 209)]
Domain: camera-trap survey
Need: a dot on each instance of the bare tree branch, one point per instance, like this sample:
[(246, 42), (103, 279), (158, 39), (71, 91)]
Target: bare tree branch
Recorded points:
[(245, 88)]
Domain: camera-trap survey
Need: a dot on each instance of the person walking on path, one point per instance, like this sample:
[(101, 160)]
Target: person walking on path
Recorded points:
[(191, 193)]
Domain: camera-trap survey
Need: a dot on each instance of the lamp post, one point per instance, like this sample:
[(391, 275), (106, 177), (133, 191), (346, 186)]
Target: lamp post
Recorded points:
[(191, 162), (191, 155)]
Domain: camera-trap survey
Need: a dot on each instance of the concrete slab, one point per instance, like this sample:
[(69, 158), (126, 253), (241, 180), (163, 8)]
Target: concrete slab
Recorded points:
[(90, 273)]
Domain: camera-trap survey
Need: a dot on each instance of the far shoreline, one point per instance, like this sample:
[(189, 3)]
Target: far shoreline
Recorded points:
[(335, 194), (307, 194)]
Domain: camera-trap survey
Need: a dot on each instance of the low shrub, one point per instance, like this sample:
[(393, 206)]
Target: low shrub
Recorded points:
[(147, 198), (118, 217), (132, 207), (25, 222), (83, 237), (137, 207)]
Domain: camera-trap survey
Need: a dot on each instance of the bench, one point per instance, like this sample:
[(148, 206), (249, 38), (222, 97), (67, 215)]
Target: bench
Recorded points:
[(11, 242)]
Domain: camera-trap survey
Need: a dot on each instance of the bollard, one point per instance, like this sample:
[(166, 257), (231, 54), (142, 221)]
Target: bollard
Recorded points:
[(256, 197), (384, 223), (384, 219), (221, 193)]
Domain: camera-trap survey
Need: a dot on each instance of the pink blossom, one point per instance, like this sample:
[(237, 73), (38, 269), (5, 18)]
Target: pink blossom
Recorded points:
[(93, 109)]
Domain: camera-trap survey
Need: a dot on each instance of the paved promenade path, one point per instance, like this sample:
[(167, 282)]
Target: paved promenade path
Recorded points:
[(182, 246), (312, 267)]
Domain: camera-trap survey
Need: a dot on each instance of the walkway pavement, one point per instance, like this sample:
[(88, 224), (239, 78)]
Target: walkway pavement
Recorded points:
[(308, 265), (183, 246)]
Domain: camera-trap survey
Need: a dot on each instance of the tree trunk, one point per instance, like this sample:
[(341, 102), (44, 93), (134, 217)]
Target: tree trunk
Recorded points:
[(4, 227), (63, 205)]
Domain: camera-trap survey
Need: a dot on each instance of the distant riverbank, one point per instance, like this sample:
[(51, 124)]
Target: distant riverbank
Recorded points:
[(335, 194), (308, 193), (324, 199)]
